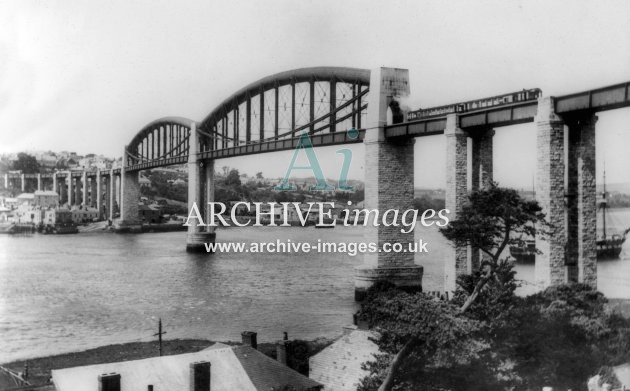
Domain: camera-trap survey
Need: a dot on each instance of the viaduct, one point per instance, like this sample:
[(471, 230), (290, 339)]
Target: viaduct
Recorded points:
[(269, 115)]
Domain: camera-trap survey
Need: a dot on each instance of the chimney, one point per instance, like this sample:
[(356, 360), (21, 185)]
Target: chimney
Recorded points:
[(200, 376), (109, 382), (281, 352), (349, 329), (249, 339), (361, 324)]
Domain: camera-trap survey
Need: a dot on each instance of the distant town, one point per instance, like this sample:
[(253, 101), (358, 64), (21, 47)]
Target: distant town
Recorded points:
[(164, 192)]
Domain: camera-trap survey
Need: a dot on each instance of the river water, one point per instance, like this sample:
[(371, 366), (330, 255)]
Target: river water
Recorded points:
[(68, 293)]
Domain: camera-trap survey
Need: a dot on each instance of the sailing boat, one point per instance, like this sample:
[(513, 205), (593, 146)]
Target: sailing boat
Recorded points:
[(609, 246), (526, 251)]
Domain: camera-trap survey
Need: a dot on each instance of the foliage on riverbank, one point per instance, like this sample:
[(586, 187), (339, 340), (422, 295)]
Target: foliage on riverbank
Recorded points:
[(486, 337), (559, 337)]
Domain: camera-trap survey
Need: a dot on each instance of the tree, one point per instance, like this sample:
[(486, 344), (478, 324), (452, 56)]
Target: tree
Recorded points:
[(559, 337), (494, 218), (422, 339), (61, 164), (259, 175), (491, 219), (233, 178), (26, 163), (562, 336)]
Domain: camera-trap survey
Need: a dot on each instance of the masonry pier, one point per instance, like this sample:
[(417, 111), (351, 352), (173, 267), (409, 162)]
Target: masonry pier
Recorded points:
[(567, 194), (200, 192), (389, 184), (249, 123), (129, 196)]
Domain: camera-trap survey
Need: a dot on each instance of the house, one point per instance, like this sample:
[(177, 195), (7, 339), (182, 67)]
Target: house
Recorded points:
[(5, 214), (58, 216), (176, 182), (217, 368), (46, 198), (149, 213), (84, 214), (622, 373), (144, 181), (27, 214), (26, 198), (11, 202), (338, 366)]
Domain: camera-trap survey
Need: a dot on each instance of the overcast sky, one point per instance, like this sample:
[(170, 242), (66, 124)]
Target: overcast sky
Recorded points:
[(87, 75)]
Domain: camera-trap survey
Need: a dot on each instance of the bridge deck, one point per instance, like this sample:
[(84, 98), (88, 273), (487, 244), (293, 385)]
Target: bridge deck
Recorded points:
[(601, 99)]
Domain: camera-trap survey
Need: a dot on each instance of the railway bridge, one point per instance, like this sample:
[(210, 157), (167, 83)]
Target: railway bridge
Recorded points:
[(270, 115)]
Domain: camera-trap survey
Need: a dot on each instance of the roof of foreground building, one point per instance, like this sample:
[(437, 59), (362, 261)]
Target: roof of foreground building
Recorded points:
[(232, 368), (338, 366)]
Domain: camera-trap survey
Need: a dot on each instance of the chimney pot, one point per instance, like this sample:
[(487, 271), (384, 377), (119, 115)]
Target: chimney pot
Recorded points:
[(349, 329), (281, 352), (249, 339)]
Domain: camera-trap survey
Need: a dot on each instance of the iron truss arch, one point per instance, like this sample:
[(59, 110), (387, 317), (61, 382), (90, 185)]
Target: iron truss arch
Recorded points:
[(264, 116), (267, 114), (162, 142)]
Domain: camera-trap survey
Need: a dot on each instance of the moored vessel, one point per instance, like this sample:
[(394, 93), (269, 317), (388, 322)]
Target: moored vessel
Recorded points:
[(609, 245)]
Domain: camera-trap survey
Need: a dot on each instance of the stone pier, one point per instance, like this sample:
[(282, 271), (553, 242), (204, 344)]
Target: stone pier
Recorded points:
[(63, 191), (69, 188), (111, 196), (550, 266), (77, 191), (55, 187), (84, 189), (567, 194), (97, 194), (481, 176), (581, 257), (200, 181), (389, 184), (456, 262), (39, 182), (129, 197), (586, 199)]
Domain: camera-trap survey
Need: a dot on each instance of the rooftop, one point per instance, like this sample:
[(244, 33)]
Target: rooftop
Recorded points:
[(45, 193), (338, 366), (232, 368), (26, 196)]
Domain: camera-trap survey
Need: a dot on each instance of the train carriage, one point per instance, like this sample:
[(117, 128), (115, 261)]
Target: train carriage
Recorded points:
[(494, 101)]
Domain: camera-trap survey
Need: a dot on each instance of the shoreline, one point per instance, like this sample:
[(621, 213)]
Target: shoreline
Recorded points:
[(39, 368)]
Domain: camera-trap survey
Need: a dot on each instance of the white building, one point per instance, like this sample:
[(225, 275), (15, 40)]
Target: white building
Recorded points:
[(338, 366), (218, 368)]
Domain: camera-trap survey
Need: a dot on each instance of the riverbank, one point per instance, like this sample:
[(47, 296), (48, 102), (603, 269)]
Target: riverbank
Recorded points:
[(39, 369)]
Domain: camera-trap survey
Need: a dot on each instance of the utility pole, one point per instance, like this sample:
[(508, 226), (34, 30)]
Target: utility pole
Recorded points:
[(159, 335)]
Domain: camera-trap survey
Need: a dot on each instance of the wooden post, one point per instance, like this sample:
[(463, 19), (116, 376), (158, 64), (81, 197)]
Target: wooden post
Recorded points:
[(159, 335)]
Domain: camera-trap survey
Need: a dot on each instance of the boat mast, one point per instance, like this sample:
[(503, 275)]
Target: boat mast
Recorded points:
[(604, 202)]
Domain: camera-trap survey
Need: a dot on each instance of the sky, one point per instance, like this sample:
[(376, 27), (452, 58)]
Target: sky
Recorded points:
[(85, 76)]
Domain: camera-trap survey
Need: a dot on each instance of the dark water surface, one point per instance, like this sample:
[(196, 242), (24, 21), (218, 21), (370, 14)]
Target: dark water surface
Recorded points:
[(68, 293)]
